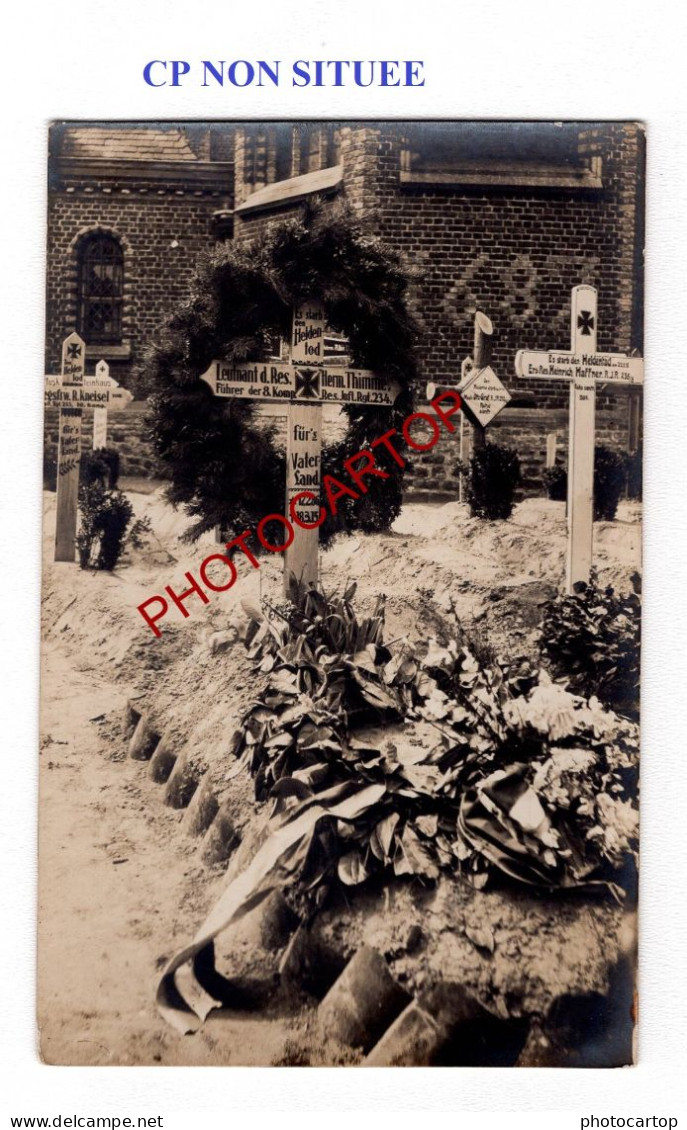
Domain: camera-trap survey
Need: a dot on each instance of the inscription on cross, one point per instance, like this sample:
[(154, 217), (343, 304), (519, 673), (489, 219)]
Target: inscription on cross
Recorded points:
[(305, 379), (584, 368)]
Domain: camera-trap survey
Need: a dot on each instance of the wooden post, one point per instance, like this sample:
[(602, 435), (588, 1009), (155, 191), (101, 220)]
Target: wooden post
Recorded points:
[(304, 439), (583, 326), (481, 354), (303, 457), (466, 447), (584, 368), (634, 412), (69, 451), (551, 446), (102, 372)]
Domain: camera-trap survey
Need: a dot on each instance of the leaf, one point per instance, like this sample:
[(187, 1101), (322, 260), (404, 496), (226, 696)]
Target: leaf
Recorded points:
[(351, 869), (409, 754), (290, 786), (350, 591), (365, 659), (313, 776), (424, 778), (427, 824), (438, 656), (425, 684), (482, 938), (283, 681), (378, 696), (252, 610), (416, 859)]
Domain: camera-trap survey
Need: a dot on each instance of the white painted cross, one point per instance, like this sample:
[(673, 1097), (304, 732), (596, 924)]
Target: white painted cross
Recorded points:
[(303, 381), (71, 392), (583, 367), (102, 372)]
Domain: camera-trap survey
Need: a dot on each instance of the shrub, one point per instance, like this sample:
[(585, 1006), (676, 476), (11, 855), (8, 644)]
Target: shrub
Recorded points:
[(494, 475), (556, 482), (101, 465), (105, 518), (49, 473), (341, 713), (609, 481), (592, 639), (613, 470), (633, 469)]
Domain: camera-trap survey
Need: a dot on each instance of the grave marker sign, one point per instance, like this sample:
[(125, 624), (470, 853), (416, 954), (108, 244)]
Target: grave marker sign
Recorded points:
[(583, 367), (69, 449), (71, 392), (102, 372), (482, 393)]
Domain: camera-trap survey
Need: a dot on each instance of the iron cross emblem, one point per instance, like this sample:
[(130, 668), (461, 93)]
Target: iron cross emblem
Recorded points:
[(585, 322)]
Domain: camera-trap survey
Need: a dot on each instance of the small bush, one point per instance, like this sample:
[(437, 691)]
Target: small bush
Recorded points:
[(609, 482), (592, 639), (613, 470), (101, 465), (49, 473), (556, 482), (633, 469), (494, 475), (105, 518)]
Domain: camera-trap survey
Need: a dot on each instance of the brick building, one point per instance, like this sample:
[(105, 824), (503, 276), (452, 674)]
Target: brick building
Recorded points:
[(504, 218)]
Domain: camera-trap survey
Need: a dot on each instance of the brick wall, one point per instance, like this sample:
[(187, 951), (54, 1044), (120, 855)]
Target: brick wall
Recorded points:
[(162, 233), (125, 432), (515, 254), (431, 474)]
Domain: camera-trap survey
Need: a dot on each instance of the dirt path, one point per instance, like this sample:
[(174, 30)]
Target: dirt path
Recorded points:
[(119, 884)]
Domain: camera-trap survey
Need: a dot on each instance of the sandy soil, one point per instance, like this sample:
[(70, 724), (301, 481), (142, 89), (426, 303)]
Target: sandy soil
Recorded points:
[(121, 882)]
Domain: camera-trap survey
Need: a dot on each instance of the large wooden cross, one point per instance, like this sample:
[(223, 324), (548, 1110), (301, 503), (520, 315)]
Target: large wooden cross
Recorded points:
[(303, 380), (71, 392), (584, 368)]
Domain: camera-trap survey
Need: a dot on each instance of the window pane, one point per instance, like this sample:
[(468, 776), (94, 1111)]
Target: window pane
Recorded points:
[(101, 280)]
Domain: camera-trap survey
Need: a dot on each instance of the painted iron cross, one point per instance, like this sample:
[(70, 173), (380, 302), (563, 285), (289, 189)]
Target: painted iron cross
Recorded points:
[(584, 368), (309, 375), (71, 392)]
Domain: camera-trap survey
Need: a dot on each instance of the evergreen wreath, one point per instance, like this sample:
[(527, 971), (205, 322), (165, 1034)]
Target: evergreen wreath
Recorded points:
[(226, 469)]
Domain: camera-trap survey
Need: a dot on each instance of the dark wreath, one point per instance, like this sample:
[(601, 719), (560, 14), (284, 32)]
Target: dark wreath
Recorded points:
[(225, 467)]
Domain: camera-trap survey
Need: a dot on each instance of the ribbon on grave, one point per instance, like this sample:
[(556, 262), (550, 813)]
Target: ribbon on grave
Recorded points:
[(181, 998)]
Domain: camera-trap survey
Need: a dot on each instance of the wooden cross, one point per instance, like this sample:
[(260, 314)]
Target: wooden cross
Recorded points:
[(304, 380), (583, 367), (71, 392), (102, 373), (482, 393)]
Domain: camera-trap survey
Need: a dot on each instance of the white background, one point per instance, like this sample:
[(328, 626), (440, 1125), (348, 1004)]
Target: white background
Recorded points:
[(518, 58)]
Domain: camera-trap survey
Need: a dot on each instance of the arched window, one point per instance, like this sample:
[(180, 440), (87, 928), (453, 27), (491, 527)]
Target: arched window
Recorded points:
[(101, 285)]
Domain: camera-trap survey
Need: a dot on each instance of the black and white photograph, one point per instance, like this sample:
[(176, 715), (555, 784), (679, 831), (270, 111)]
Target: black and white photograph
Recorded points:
[(341, 593)]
